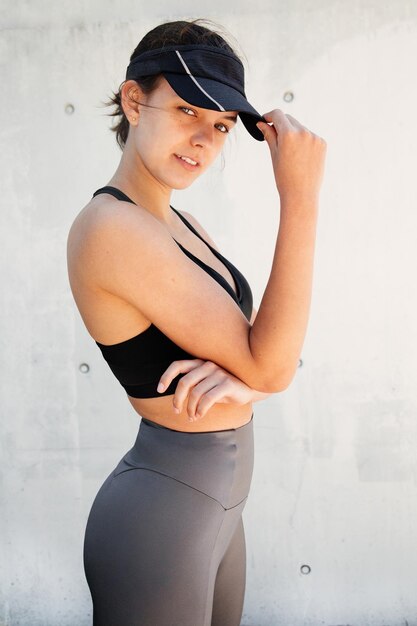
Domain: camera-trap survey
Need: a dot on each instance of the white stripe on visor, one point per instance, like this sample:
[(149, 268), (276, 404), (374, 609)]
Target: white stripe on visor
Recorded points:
[(199, 86)]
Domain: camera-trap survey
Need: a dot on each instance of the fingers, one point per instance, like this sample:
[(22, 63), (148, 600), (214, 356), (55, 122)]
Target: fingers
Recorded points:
[(203, 384), (209, 399), (203, 396), (295, 123), (278, 118), (191, 385), (177, 367), (281, 122)]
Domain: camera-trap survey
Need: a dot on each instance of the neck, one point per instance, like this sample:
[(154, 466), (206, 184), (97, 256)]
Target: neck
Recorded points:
[(132, 177)]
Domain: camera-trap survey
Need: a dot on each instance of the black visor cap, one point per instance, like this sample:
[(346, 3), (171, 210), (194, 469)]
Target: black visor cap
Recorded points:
[(202, 75)]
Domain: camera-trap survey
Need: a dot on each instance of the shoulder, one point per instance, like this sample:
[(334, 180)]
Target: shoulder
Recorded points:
[(104, 230), (194, 222), (112, 218)]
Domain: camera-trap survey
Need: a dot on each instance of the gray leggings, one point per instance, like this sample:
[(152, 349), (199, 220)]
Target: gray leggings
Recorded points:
[(164, 542)]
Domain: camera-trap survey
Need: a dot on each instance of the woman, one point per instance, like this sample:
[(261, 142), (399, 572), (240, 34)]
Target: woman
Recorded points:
[(164, 542)]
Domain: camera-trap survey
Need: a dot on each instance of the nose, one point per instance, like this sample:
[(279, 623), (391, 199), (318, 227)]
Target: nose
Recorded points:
[(203, 135)]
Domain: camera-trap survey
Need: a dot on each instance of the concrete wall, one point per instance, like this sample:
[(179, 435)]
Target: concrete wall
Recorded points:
[(334, 485)]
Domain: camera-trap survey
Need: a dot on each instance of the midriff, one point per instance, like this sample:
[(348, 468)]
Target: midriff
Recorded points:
[(220, 416)]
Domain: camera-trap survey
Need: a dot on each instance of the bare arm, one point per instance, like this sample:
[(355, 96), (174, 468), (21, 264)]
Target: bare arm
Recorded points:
[(298, 163)]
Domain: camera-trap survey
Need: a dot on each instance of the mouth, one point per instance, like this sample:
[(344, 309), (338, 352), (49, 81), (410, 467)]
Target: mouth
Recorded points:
[(187, 161)]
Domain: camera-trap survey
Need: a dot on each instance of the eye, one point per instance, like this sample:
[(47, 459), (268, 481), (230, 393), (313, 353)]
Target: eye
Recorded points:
[(186, 109), (224, 125)]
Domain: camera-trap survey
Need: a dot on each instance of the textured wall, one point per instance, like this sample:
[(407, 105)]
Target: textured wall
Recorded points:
[(334, 486)]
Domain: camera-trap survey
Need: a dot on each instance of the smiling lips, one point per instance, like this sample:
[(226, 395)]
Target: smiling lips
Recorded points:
[(188, 160)]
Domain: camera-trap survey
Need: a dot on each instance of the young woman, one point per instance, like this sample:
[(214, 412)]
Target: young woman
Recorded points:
[(164, 542)]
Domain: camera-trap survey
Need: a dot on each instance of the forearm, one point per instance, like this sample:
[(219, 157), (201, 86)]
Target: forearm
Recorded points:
[(278, 332)]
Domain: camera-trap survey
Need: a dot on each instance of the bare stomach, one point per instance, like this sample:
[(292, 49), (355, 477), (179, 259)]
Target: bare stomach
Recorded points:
[(220, 416)]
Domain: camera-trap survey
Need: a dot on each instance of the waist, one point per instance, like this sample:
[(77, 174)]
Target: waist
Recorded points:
[(216, 463), (220, 416)]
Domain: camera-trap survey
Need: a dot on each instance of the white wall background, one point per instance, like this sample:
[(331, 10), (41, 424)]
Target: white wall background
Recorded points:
[(334, 485)]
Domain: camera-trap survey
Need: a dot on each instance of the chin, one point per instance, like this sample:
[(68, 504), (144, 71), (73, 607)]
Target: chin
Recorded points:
[(181, 183), (183, 186)]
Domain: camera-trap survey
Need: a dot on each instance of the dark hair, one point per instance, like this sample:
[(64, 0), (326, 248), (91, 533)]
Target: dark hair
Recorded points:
[(168, 33)]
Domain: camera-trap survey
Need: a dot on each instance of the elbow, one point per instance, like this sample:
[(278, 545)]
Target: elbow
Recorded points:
[(280, 382)]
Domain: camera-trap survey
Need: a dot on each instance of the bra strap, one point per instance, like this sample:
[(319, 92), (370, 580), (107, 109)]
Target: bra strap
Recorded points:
[(191, 227), (117, 193)]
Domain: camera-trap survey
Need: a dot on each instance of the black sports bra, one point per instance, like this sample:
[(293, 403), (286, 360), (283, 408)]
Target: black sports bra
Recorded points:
[(139, 362)]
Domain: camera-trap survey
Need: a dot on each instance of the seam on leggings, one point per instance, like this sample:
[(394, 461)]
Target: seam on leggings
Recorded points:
[(235, 505), (213, 552), (208, 603), (176, 480)]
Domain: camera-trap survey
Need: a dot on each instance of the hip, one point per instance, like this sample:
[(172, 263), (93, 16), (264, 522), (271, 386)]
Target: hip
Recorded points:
[(219, 463)]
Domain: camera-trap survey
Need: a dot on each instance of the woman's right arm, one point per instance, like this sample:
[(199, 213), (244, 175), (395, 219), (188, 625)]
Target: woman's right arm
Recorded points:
[(131, 254)]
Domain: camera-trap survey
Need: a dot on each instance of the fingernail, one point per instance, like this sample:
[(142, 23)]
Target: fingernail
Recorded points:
[(160, 387), (176, 410)]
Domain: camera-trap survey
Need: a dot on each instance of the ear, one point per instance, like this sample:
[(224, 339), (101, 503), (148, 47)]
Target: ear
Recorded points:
[(130, 95)]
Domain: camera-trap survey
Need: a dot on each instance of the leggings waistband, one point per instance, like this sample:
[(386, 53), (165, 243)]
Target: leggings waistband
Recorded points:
[(201, 432), (217, 463)]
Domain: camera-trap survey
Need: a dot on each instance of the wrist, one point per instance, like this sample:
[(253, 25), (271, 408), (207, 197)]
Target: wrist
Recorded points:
[(299, 203)]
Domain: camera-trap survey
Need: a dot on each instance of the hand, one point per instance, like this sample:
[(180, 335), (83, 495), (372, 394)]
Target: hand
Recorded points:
[(297, 155), (205, 383)]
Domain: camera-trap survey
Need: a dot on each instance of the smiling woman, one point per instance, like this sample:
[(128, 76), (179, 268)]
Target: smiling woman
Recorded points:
[(164, 541), (164, 114)]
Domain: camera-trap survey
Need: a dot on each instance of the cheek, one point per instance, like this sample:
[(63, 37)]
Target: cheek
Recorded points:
[(151, 151), (156, 139)]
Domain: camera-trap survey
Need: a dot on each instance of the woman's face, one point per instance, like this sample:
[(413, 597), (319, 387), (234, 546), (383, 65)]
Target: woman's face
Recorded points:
[(168, 126)]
